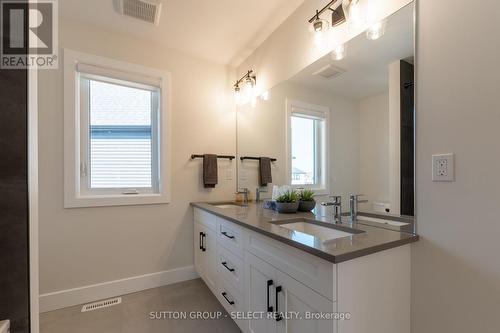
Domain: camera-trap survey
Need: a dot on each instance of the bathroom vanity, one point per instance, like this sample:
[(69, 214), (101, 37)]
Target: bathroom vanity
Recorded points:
[(341, 126), (300, 272)]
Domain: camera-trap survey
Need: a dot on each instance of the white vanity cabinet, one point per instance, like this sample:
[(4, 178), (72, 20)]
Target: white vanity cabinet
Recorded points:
[(254, 274)]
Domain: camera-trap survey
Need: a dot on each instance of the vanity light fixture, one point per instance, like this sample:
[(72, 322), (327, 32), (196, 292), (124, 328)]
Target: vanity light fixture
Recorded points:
[(249, 94), (376, 31), (320, 27), (338, 16), (248, 82)]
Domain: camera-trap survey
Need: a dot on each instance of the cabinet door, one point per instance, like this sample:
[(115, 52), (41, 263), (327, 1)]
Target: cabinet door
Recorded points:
[(260, 283), (294, 298), (210, 258), (205, 248), (198, 248)]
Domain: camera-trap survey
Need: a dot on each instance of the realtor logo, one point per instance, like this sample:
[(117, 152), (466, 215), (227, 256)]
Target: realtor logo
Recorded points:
[(29, 34)]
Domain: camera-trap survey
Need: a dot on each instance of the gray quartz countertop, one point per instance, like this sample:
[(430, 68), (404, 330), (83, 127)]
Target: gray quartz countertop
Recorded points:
[(364, 240)]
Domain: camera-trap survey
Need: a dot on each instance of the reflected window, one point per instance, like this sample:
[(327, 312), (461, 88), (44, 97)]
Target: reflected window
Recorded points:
[(307, 142)]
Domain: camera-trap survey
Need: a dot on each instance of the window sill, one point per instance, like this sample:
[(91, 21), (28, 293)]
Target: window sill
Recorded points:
[(115, 200)]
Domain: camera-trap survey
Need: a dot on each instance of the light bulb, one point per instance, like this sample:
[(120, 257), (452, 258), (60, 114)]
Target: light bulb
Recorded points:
[(376, 31), (354, 13), (339, 52), (248, 89), (265, 95), (237, 95), (319, 29)]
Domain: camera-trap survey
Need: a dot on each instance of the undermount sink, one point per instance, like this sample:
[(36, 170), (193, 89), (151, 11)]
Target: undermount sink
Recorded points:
[(382, 221), (318, 229), (227, 205)]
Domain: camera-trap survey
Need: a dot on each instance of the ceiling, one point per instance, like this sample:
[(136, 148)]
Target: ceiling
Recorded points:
[(366, 63), (222, 31)]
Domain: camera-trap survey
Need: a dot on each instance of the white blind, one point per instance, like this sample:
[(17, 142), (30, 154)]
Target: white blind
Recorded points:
[(309, 114), (120, 163)]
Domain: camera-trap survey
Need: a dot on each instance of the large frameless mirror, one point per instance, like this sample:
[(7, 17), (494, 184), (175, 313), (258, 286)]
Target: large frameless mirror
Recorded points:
[(343, 125)]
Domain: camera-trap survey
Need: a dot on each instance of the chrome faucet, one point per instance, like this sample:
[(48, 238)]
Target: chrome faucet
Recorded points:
[(337, 207), (244, 191), (258, 192), (353, 206)]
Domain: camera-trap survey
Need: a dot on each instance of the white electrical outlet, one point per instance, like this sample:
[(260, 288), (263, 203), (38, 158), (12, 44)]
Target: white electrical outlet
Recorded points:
[(443, 168)]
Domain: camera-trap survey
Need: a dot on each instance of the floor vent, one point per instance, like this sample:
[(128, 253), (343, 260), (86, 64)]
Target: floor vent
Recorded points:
[(101, 304)]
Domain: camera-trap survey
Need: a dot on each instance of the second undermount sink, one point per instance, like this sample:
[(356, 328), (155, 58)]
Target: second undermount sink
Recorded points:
[(227, 205), (382, 221), (323, 231)]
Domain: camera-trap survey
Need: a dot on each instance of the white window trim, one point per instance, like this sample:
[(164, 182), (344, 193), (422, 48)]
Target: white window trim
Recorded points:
[(314, 111), (72, 195)]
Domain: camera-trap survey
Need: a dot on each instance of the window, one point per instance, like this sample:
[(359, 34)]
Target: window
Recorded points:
[(117, 149), (307, 143), (120, 142)]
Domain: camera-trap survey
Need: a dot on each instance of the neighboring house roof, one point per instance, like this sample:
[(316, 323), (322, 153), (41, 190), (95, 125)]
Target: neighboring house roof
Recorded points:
[(298, 171)]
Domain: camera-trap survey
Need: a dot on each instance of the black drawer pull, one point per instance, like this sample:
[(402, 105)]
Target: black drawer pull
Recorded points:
[(224, 295), (225, 265), (201, 240), (269, 284), (228, 236), (278, 314)]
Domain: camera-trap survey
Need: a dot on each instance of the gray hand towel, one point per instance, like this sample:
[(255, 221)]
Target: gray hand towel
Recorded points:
[(209, 170), (265, 176)]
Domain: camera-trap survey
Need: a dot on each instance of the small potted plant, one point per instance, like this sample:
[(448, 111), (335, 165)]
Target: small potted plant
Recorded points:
[(306, 201), (287, 202)]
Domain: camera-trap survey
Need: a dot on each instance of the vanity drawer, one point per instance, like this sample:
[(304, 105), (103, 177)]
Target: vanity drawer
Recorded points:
[(230, 267), (230, 236), (205, 218), (232, 300), (316, 273)]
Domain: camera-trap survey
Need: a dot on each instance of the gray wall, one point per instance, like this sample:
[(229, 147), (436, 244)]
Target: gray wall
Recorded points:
[(456, 265)]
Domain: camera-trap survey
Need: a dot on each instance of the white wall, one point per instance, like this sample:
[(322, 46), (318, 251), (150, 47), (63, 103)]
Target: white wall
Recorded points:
[(79, 247), (374, 149), (262, 132), (395, 137), (455, 265)]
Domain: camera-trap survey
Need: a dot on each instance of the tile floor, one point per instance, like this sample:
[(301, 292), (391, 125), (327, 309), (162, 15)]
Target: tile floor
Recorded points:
[(133, 315)]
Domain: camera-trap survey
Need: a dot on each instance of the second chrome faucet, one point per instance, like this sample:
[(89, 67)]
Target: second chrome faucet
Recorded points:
[(336, 203)]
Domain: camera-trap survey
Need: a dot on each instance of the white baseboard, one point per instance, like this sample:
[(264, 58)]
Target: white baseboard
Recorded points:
[(70, 297)]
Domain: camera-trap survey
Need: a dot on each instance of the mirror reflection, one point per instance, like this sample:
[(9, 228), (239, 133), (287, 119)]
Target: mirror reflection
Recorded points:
[(340, 127)]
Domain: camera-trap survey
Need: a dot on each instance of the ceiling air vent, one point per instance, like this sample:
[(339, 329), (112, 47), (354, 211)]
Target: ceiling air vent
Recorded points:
[(329, 72), (145, 10)]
